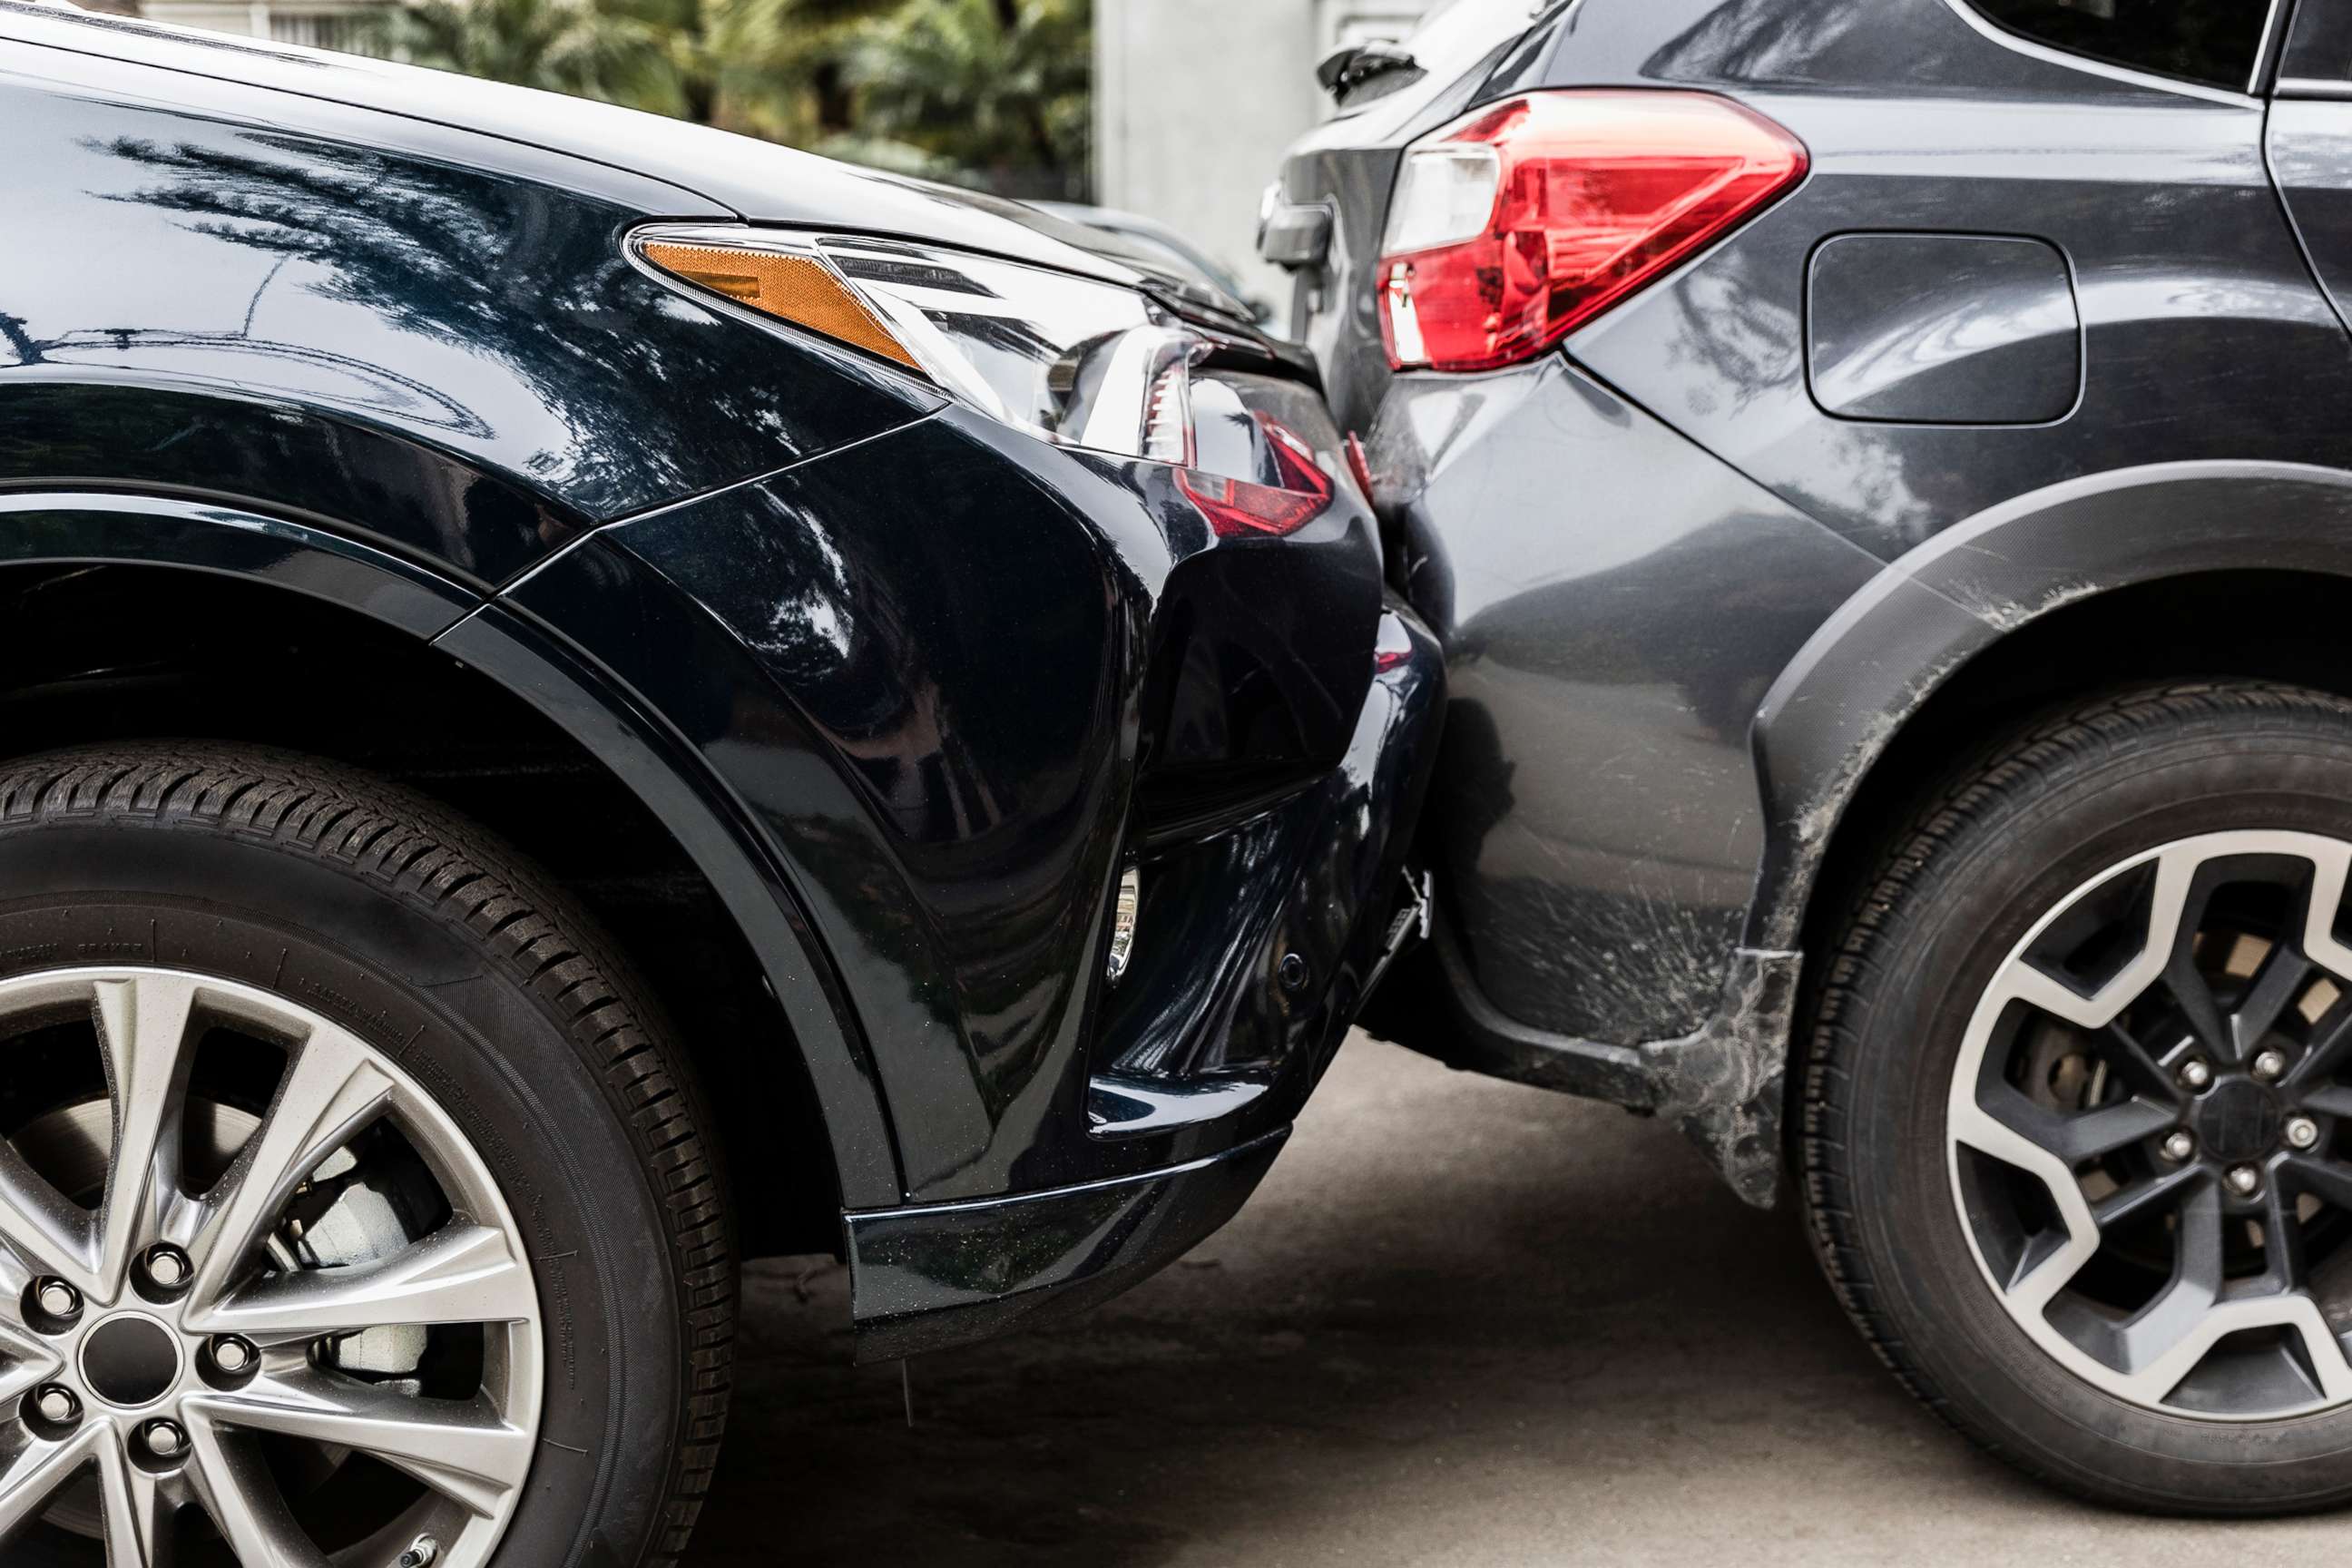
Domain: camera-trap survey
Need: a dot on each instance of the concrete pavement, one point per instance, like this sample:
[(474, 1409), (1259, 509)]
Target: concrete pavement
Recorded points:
[(1464, 1323)]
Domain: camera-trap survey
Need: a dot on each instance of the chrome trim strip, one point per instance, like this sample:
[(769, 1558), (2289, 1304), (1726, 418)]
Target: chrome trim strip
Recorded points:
[(2311, 86), (2263, 49)]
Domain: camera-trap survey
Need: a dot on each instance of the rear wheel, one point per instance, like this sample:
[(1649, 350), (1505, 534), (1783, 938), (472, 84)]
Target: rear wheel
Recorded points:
[(350, 1206), (2078, 1120)]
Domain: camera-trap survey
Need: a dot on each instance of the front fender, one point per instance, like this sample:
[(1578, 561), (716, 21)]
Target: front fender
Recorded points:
[(510, 648), (86, 528), (671, 779), (265, 299)]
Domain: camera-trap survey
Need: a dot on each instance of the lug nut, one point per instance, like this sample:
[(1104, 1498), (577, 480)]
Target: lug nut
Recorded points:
[(57, 1405), (2179, 1144), (168, 1268), (59, 1300), (2195, 1074), (232, 1355), (2244, 1180), (2270, 1066), (163, 1439), (2302, 1131)]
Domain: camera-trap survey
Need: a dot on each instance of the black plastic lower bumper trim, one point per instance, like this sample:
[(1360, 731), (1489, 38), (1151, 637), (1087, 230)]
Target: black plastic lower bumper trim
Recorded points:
[(945, 1274)]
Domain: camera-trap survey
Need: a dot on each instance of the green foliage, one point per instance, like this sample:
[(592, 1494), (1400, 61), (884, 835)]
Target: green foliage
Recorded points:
[(997, 87), (991, 92), (563, 46)]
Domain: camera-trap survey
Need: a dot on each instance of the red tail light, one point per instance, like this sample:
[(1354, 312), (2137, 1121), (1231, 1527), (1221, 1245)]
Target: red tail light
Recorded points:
[(1527, 219), (1359, 465), (1237, 508)]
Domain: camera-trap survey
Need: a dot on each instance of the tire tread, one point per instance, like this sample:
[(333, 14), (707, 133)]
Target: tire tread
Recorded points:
[(456, 872)]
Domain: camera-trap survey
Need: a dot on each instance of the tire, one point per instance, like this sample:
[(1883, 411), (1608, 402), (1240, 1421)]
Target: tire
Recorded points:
[(2236, 793), (528, 1069)]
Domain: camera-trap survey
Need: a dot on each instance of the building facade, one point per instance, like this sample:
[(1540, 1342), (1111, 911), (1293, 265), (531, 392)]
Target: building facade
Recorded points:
[(319, 24)]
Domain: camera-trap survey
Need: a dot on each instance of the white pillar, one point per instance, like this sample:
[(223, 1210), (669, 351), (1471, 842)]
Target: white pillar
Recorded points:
[(1194, 102)]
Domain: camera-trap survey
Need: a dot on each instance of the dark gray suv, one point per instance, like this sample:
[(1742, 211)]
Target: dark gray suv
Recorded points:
[(1881, 476)]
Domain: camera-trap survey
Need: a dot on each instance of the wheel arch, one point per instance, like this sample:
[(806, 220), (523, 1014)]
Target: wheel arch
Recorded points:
[(2166, 571), (529, 739)]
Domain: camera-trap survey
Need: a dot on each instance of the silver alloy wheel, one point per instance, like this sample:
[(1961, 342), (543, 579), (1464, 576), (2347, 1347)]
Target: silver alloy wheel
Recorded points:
[(135, 1354), (2135, 1011)]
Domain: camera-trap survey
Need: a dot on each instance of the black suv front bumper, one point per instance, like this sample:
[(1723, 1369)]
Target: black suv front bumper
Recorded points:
[(1269, 935), (954, 681)]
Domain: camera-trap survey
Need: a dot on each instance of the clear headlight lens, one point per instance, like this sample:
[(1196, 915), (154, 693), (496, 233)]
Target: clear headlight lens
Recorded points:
[(1081, 362)]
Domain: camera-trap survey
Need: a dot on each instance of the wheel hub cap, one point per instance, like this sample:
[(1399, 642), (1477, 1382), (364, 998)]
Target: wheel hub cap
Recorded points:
[(2239, 1119), (129, 1360)]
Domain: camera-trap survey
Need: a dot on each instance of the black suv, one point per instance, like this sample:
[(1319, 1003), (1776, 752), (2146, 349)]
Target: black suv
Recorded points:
[(1879, 475), (582, 698)]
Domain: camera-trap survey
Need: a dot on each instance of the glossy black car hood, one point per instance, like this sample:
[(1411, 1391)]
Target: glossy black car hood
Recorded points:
[(757, 180)]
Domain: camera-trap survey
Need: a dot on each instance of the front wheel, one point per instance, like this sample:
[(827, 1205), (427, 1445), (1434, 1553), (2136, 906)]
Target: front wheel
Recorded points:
[(352, 1208), (2078, 1106)]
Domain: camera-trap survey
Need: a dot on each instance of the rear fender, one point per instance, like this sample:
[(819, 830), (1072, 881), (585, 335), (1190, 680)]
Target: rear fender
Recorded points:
[(1833, 710)]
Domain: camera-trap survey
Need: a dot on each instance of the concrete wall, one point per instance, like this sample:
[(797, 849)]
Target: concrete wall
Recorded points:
[(1195, 99)]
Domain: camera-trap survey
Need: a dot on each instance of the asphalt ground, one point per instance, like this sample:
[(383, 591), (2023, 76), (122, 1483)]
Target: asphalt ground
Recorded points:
[(1464, 1322)]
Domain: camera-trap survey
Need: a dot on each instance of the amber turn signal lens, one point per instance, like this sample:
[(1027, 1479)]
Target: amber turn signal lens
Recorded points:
[(801, 290)]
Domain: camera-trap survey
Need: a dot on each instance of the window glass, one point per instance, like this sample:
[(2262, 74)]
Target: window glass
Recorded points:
[(2320, 47), (2213, 41)]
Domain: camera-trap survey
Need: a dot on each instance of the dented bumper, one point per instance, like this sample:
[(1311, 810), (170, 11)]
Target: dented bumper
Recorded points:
[(1262, 942)]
